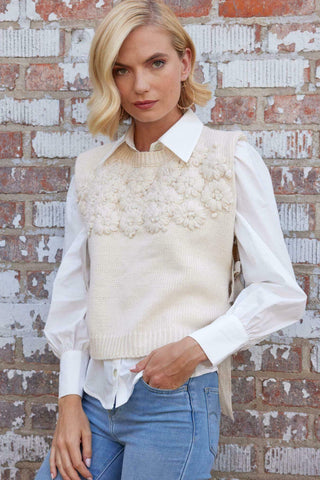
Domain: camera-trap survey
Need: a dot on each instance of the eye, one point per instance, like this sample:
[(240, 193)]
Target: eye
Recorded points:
[(158, 63), (119, 72)]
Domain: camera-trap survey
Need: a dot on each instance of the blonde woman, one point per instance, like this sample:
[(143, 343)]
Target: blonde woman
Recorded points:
[(140, 314)]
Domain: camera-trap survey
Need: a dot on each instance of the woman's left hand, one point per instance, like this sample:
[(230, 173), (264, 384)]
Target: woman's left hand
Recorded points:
[(170, 366)]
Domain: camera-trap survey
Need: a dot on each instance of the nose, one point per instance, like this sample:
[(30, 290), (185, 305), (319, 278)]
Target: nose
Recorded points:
[(141, 84)]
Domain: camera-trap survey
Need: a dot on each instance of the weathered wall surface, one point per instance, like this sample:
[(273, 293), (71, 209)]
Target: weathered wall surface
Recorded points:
[(262, 60)]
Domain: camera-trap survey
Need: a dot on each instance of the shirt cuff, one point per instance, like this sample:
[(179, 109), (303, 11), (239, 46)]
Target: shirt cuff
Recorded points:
[(221, 338), (73, 368)]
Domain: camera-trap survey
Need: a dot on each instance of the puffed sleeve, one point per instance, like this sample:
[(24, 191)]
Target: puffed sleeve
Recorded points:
[(65, 328), (271, 299)]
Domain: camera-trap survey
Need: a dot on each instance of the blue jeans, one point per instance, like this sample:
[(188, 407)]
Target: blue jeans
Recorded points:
[(157, 435)]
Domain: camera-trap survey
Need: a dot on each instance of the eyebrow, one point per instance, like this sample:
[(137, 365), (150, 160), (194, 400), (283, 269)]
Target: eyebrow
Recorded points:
[(155, 55)]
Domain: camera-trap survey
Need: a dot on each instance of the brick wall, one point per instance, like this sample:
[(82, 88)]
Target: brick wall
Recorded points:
[(262, 60)]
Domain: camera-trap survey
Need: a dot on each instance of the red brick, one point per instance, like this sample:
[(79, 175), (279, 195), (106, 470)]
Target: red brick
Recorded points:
[(295, 180), (32, 248), (294, 109), (269, 425), (38, 355), (317, 428), (230, 110), (44, 77), (289, 426), (17, 382), (34, 179), (243, 389), (246, 424), (86, 9), (7, 352), (302, 393), (44, 417), (281, 359), (9, 412), (11, 214), (10, 145), (8, 75), (190, 8), (265, 8), (304, 282)]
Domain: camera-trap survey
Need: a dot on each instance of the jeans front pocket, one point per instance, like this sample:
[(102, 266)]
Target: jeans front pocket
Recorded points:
[(213, 417), (164, 391)]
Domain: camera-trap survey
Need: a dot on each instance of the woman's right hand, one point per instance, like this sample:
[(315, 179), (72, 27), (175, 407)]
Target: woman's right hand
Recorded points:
[(72, 430)]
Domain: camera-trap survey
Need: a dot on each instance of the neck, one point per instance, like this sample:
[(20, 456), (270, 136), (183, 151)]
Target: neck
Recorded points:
[(147, 133)]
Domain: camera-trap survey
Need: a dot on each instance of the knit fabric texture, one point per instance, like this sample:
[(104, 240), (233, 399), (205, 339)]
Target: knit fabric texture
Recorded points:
[(160, 236)]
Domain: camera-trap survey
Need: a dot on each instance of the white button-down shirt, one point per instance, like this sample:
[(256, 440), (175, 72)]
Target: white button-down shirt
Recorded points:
[(272, 300)]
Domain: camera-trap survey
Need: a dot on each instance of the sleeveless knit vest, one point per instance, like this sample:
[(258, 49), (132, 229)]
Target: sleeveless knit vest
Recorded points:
[(160, 237)]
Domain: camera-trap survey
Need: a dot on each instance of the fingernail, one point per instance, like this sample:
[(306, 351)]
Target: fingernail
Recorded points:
[(52, 476), (88, 462)]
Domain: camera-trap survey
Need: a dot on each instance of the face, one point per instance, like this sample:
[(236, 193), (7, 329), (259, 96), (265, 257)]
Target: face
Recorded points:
[(148, 73)]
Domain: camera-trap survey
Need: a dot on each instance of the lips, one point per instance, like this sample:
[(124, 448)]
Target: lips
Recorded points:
[(145, 102), (145, 105)]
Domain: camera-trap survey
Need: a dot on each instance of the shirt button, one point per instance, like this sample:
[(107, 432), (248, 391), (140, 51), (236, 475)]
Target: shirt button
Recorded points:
[(115, 372)]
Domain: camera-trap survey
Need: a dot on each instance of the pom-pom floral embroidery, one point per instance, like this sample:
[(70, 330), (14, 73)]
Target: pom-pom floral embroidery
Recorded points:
[(122, 197)]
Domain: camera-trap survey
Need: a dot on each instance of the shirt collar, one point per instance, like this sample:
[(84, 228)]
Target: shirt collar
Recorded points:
[(181, 138)]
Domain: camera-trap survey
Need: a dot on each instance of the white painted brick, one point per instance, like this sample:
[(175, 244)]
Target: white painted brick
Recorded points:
[(49, 249), (80, 43), (282, 144), (305, 41), (215, 40), (263, 73), (80, 111), (32, 345), (16, 448), (309, 327), (11, 11), (31, 112), (31, 10), (294, 217), (69, 144), (7, 341), (29, 43), (234, 458), (9, 284), (293, 461), (49, 214), (73, 72), (17, 319), (303, 250)]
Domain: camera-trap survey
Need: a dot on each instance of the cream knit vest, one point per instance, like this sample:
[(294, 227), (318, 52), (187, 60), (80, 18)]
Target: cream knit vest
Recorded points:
[(160, 236)]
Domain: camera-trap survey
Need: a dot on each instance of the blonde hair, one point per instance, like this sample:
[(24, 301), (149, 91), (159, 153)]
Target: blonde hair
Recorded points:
[(105, 111)]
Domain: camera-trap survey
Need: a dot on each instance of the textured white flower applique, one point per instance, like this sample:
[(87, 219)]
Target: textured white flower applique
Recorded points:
[(190, 214), (121, 197), (217, 196)]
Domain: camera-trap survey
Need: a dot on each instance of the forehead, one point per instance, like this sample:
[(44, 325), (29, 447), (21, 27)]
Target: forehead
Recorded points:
[(144, 41)]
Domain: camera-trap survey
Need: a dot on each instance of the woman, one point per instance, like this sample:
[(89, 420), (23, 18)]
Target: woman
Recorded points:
[(140, 314)]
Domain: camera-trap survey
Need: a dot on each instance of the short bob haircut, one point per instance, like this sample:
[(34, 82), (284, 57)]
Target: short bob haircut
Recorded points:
[(105, 111)]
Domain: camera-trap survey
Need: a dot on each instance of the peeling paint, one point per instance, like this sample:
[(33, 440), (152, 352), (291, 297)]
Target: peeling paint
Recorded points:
[(287, 387)]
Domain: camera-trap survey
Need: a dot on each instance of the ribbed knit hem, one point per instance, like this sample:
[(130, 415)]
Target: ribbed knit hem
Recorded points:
[(137, 344)]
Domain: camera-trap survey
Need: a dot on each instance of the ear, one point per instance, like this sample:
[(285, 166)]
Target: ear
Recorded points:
[(186, 64)]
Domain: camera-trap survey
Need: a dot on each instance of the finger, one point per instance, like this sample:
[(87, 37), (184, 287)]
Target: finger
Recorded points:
[(68, 464), (140, 366), (86, 448), (52, 462), (78, 465), (143, 363), (61, 469)]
